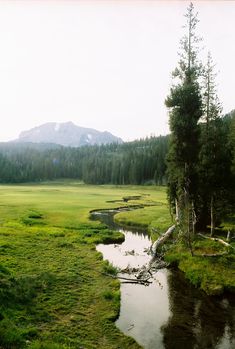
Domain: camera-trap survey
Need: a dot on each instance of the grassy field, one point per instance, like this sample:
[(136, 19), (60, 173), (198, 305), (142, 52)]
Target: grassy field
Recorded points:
[(52, 290), (154, 216), (53, 293)]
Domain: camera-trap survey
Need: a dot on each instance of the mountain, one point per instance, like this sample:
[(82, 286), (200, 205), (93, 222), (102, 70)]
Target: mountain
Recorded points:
[(66, 134)]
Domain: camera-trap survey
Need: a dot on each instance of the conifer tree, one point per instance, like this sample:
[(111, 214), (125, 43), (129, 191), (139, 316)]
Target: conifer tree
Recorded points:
[(214, 166), (185, 110)]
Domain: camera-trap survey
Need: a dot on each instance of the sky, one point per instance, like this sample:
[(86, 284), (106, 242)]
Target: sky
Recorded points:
[(103, 64)]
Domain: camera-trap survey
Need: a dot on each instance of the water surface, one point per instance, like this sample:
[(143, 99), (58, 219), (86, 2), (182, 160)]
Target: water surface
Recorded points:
[(169, 313)]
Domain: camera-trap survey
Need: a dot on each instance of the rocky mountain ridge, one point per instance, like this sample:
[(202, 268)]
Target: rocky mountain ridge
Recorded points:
[(66, 134)]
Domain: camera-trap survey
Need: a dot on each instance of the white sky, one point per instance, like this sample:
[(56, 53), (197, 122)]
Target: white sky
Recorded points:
[(102, 64)]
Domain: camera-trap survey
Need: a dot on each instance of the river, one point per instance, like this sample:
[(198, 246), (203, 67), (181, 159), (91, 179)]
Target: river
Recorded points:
[(169, 313)]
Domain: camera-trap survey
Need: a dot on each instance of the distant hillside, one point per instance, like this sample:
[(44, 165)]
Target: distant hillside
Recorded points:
[(138, 162), (66, 134)]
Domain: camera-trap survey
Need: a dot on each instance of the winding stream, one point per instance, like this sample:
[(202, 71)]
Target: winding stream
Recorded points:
[(169, 313)]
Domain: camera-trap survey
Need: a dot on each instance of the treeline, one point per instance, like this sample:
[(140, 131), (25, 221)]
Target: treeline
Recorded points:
[(138, 162)]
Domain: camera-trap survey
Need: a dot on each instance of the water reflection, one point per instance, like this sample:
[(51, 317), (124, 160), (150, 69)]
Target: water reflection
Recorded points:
[(143, 311), (197, 321), (106, 217), (173, 315)]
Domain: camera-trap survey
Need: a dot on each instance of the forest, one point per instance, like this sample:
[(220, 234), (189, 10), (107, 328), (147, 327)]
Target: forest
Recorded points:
[(138, 162), (200, 161)]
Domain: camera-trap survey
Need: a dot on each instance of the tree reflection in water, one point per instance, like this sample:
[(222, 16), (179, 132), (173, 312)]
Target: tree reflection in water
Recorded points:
[(198, 321)]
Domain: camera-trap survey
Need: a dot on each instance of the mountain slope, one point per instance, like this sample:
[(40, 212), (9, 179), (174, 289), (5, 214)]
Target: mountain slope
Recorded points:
[(67, 134)]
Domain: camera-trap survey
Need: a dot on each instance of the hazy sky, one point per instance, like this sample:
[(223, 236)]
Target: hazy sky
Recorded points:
[(102, 64)]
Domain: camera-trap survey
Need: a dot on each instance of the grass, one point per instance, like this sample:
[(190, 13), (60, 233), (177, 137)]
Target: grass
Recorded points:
[(154, 216), (53, 292), (214, 275)]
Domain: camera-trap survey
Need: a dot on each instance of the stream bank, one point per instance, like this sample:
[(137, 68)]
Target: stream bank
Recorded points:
[(170, 313), (214, 275)]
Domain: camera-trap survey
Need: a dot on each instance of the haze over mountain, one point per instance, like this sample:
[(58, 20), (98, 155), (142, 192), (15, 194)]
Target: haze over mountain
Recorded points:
[(66, 134)]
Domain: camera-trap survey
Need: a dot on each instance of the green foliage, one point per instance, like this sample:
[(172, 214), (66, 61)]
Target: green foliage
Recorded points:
[(200, 157), (137, 162), (185, 110), (215, 158)]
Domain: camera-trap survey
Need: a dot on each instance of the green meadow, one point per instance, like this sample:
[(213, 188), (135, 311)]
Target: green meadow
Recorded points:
[(52, 288)]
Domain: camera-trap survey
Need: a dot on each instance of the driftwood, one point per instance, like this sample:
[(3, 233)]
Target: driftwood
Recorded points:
[(161, 240)]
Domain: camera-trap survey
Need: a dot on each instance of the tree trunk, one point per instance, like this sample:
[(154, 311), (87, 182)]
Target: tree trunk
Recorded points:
[(176, 211), (212, 216), (160, 241)]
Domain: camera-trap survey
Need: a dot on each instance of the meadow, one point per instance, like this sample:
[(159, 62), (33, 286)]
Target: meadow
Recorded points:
[(52, 288)]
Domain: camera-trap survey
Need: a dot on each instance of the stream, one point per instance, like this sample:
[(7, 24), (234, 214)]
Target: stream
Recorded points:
[(169, 313)]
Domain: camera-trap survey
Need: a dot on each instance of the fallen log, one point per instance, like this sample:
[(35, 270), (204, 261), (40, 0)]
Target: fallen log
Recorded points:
[(144, 282), (156, 262), (144, 273), (212, 254), (217, 239), (133, 280), (161, 240), (129, 280)]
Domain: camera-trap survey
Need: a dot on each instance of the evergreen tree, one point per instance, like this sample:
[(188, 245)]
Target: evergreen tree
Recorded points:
[(215, 157), (210, 153), (185, 110), (129, 163)]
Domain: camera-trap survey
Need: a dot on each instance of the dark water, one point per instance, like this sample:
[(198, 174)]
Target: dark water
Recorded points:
[(170, 313)]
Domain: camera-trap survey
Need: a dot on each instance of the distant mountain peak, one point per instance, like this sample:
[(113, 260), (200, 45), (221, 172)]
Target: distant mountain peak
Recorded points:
[(66, 134)]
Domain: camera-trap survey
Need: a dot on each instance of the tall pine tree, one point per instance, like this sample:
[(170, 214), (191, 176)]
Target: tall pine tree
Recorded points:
[(185, 110), (215, 157)]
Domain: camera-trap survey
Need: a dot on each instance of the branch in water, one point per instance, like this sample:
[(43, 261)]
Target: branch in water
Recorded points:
[(129, 280)]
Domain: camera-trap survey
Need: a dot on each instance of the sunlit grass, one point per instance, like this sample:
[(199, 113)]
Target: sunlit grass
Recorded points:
[(53, 290)]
